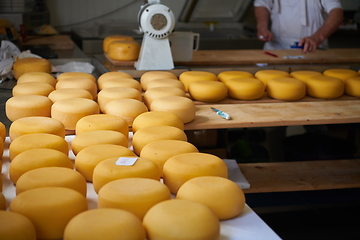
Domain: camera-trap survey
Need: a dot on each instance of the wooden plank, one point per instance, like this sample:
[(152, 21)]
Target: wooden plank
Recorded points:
[(301, 176)]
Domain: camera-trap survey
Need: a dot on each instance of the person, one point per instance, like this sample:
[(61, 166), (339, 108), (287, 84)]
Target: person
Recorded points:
[(303, 23)]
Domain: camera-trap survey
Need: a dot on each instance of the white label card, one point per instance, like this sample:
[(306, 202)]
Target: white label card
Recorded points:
[(126, 161)]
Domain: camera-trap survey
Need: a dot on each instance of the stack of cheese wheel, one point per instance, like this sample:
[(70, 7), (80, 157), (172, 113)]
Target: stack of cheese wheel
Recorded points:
[(81, 83), (245, 88), (325, 87), (228, 75), (110, 75), (343, 74), (120, 82), (108, 94), (25, 65), (152, 75), (265, 75), (193, 76)]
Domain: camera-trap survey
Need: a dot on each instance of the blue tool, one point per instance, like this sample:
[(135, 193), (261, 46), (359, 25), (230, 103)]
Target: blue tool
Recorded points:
[(221, 113)]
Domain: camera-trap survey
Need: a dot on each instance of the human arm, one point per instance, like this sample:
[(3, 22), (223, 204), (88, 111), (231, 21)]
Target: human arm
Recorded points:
[(262, 16)]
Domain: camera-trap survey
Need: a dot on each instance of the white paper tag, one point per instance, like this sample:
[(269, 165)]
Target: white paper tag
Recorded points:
[(126, 161)]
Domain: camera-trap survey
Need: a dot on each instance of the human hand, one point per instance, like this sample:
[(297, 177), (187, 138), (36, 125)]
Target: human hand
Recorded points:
[(264, 35), (309, 44)]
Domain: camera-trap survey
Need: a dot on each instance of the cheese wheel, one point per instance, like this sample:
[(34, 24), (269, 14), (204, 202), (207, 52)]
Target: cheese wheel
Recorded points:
[(152, 75), (161, 150), (208, 91), (145, 135), (25, 65), (181, 219), (28, 125), (70, 111), (111, 75), (82, 83), (325, 87), (14, 226), (65, 75), (136, 195), (110, 170), (303, 75), (102, 122), (2, 131), (245, 88), (165, 82), (108, 94), (192, 76), (352, 86), (227, 75), (287, 89), (37, 140), (27, 106), (157, 118), (49, 209), (183, 107), (86, 139), (87, 159), (109, 224), (37, 158), (123, 50), (32, 88), (65, 93), (223, 196), (37, 77), (128, 109), (343, 74), (107, 40), (51, 177), (265, 75), (182, 167), (120, 82), (151, 94)]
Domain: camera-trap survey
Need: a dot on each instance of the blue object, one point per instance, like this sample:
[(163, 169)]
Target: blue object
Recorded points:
[(221, 113), (296, 45)]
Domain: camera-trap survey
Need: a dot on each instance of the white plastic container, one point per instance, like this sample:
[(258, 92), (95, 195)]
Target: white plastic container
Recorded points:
[(183, 44)]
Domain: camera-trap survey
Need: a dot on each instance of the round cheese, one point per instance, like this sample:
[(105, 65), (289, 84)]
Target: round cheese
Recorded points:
[(49, 209), (136, 195), (156, 118), (245, 88), (107, 40), (110, 169), (28, 125), (32, 88), (111, 75), (192, 76), (87, 159), (25, 65), (343, 74), (82, 83), (70, 111), (165, 82), (65, 75), (123, 50), (181, 219), (51, 177), (227, 75), (109, 224), (27, 106), (120, 82), (145, 135), (89, 138), (303, 75), (151, 94), (152, 75), (182, 167), (223, 196), (14, 226), (287, 89), (265, 75), (208, 91), (108, 94), (325, 87), (352, 86), (2, 131), (65, 93), (37, 77), (183, 107)]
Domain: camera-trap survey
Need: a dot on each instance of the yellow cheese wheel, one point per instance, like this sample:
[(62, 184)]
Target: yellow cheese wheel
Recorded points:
[(65, 93), (136, 195), (227, 75), (181, 219), (128, 109), (37, 140), (183, 107), (111, 75), (89, 138), (70, 111), (110, 169), (2, 201), (107, 40), (245, 88), (343, 74), (192, 76), (109, 224), (25, 65), (82, 83), (287, 89), (120, 82), (303, 75), (2, 131), (223, 196), (208, 91), (87, 159), (37, 77), (49, 209), (265, 75), (15, 226), (51, 177), (37, 158), (352, 86), (123, 50), (152, 75), (145, 135), (102, 122), (325, 87), (65, 75), (151, 94), (182, 167), (157, 118), (27, 106), (161, 150), (108, 94), (32, 88), (165, 82)]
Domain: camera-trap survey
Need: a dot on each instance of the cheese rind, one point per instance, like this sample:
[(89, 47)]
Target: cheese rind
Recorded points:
[(65, 93), (157, 118), (265, 75), (32, 88), (165, 82), (303, 75), (65, 75), (123, 50), (152, 75), (151, 94), (325, 87), (287, 89), (37, 77), (120, 82), (108, 94), (207, 91), (82, 83), (352, 86), (15, 226), (343, 74), (227, 75), (192, 76), (111, 75), (107, 40), (245, 88), (25, 65)]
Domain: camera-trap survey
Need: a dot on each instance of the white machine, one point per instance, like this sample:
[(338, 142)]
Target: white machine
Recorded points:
[(156, 21)]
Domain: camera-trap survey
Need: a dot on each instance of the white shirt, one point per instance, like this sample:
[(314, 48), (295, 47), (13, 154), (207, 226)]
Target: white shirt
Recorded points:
[(292, 20)]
